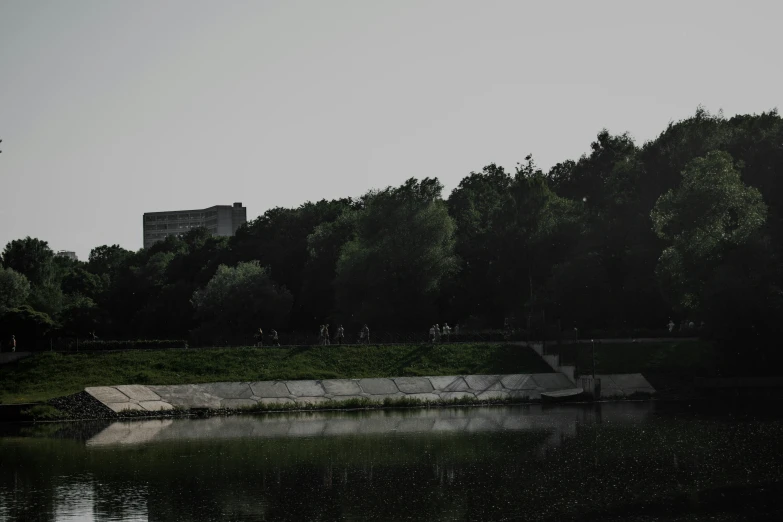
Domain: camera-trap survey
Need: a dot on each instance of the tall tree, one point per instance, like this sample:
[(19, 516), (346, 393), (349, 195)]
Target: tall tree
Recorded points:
[(14, 289), (709, 215), (237, 301), (278, 241), (31, 257), (390, 272), (477, 206)]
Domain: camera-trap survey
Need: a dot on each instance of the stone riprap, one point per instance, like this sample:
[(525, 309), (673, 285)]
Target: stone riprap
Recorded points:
[(242, 394)]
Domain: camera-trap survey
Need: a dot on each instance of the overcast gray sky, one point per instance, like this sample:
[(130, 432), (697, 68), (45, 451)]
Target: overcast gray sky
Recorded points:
[(112, 109)]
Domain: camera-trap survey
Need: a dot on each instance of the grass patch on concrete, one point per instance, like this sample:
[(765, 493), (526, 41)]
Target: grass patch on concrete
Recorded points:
[(676, 357), (48, 375), (366, 403)]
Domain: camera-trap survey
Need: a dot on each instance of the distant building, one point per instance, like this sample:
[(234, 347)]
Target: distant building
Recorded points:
[(220, 220), (66, 253)]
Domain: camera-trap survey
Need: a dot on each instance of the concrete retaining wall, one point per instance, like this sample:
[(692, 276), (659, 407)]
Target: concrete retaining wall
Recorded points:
[(243, 394)]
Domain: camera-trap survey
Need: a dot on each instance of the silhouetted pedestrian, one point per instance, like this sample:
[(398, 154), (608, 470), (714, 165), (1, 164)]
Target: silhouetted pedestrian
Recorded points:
[(13, 343), (340, 335), (273, 335)]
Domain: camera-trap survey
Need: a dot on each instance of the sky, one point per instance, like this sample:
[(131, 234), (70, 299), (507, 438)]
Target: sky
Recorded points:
[(112, 109)]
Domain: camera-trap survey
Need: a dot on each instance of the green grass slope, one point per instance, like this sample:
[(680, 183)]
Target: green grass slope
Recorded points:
[(48, 375), (669, 366)]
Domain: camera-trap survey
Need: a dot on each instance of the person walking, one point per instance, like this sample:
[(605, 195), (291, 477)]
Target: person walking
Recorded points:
[(260, 335), (321, 335), (432, 334), (364, 335), (437, 333), (446, 332), (671, 325), (326, 335), (273, 335), (13, 343), (340, 335)]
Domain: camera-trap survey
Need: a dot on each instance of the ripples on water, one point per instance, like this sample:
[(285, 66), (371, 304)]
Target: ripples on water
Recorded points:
[(622, 461)]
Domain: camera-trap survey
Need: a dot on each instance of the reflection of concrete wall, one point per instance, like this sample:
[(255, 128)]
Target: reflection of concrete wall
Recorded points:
[(560, 421)]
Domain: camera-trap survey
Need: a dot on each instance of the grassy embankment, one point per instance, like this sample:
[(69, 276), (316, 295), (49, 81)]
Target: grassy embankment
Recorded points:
[(48, 375)]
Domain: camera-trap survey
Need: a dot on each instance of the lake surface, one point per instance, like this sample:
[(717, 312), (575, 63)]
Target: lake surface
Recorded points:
[(620, 461)]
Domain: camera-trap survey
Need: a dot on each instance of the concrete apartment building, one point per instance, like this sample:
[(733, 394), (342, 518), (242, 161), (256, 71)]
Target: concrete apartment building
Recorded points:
[(68, 254), (220, 220)]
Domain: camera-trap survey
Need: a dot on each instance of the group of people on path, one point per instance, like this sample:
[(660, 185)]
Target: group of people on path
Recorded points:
[(274, 339), (684, 325), (437, 333), (323, 336), (339, 337)]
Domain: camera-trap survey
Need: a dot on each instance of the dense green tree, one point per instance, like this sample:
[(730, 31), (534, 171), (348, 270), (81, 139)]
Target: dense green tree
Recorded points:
[(80, 316), (107, 260), (14, 289), (237, 301), (80, 281), (278, 241), (31, 257), (711, 213), (389, 274), (537, 231), (324, 246), (576, 247), (477, 206), (27, 325)]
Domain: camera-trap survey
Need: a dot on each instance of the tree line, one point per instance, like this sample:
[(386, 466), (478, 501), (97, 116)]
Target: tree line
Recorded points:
[(686, 226)]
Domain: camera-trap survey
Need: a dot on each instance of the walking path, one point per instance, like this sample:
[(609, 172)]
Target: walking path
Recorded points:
[(435, 389)]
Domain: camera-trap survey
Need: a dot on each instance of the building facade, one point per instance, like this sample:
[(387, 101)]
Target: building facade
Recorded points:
[(68, 254), (220, 220)]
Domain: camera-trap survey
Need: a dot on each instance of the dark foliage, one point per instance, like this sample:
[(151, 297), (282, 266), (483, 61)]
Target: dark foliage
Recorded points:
[(620, 240)]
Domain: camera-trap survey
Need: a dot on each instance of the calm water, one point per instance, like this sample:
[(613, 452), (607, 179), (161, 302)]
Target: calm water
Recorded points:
[(623, 461)]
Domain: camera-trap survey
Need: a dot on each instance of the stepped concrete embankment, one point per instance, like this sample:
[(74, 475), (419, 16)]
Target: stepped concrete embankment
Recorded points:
[(235, 395)]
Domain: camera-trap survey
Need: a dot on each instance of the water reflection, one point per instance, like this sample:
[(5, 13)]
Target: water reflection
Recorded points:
[(614, 461), (558, 422)]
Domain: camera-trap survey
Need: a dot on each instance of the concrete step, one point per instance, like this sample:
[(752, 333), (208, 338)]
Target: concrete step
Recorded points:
[(569, 371), (553, 361)]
